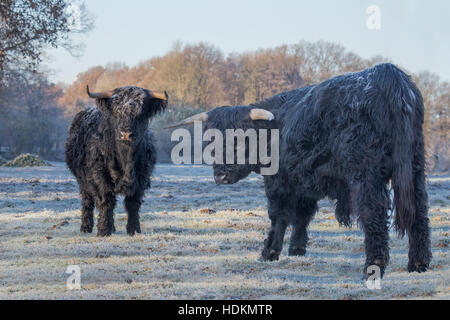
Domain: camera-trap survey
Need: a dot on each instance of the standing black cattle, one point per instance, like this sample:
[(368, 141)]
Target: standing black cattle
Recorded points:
[(110, 150), (345, 138)]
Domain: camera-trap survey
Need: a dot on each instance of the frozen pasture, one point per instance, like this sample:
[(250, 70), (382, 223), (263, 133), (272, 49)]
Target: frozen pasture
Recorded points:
[(199, 241)]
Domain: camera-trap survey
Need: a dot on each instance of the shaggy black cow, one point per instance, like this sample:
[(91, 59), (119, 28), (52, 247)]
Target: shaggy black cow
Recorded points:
[(110, 150), (344, 138)]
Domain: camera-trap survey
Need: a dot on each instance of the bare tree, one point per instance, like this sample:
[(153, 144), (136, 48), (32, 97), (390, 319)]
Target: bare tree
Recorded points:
[(322, 60), (33, 121), (190, 73), (436, 96), (267, 72), (29, 26)]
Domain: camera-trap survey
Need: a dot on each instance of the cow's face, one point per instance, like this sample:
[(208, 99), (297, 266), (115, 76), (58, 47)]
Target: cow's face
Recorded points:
[(128, 110), (239, 117), (230, 118)]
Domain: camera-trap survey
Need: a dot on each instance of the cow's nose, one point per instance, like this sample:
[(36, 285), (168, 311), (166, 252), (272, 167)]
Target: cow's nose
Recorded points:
[(126, 136), (221, 179)]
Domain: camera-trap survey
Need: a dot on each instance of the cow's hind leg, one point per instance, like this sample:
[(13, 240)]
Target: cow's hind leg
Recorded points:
[(132, 205), (299, 237), (274, 242), (373, 204), (419, 234), (105, 205), (87, 213)]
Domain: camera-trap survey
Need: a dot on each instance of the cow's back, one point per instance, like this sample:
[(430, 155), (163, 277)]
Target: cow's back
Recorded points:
[(84, 127), (335, 132)]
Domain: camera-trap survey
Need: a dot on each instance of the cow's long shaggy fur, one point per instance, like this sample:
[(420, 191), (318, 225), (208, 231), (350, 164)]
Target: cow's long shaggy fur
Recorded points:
[(104, 165), (345, 138)]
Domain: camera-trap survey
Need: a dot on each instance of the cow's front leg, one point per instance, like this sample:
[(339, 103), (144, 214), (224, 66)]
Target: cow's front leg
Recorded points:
[(87, 212), (105, 204), (132, 205), (274, 242), (299, 237)]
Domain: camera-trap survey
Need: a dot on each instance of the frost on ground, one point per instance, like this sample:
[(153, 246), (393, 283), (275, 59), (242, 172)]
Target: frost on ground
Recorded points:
[(199, 241)]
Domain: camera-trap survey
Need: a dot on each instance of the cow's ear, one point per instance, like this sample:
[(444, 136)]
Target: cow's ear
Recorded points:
[(154, 105)]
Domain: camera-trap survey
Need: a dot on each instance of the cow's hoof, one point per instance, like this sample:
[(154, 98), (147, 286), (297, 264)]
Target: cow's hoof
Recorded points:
[(138, 228), (131, 233), (297, 251), (86, 229), (132, 230), (270, 255), (104, 233), (417, 267)]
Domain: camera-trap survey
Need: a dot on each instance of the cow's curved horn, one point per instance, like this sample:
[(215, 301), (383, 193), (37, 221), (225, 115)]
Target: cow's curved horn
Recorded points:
[(198, 117), (261, 114), (99, 95), (159, 95)]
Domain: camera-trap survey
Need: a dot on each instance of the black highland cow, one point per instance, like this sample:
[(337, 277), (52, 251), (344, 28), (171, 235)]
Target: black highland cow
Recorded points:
[(345, 138), (110, 151)]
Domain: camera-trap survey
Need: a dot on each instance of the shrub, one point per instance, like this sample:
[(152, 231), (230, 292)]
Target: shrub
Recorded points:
[(27, 160)]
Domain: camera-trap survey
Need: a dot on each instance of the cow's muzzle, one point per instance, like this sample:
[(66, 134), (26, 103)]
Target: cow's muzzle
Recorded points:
[(221, 179), (126, 136)]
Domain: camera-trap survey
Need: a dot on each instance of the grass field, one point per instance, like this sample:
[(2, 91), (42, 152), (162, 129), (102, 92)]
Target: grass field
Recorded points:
[(199, 241)]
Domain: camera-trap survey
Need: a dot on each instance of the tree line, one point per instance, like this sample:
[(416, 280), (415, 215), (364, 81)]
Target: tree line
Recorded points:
[(200, 75)]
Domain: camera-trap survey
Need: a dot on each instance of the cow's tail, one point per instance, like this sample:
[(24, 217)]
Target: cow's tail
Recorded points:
[(405, 115)]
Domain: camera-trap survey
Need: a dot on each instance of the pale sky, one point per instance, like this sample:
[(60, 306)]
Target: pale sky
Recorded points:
[(414, 33)]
